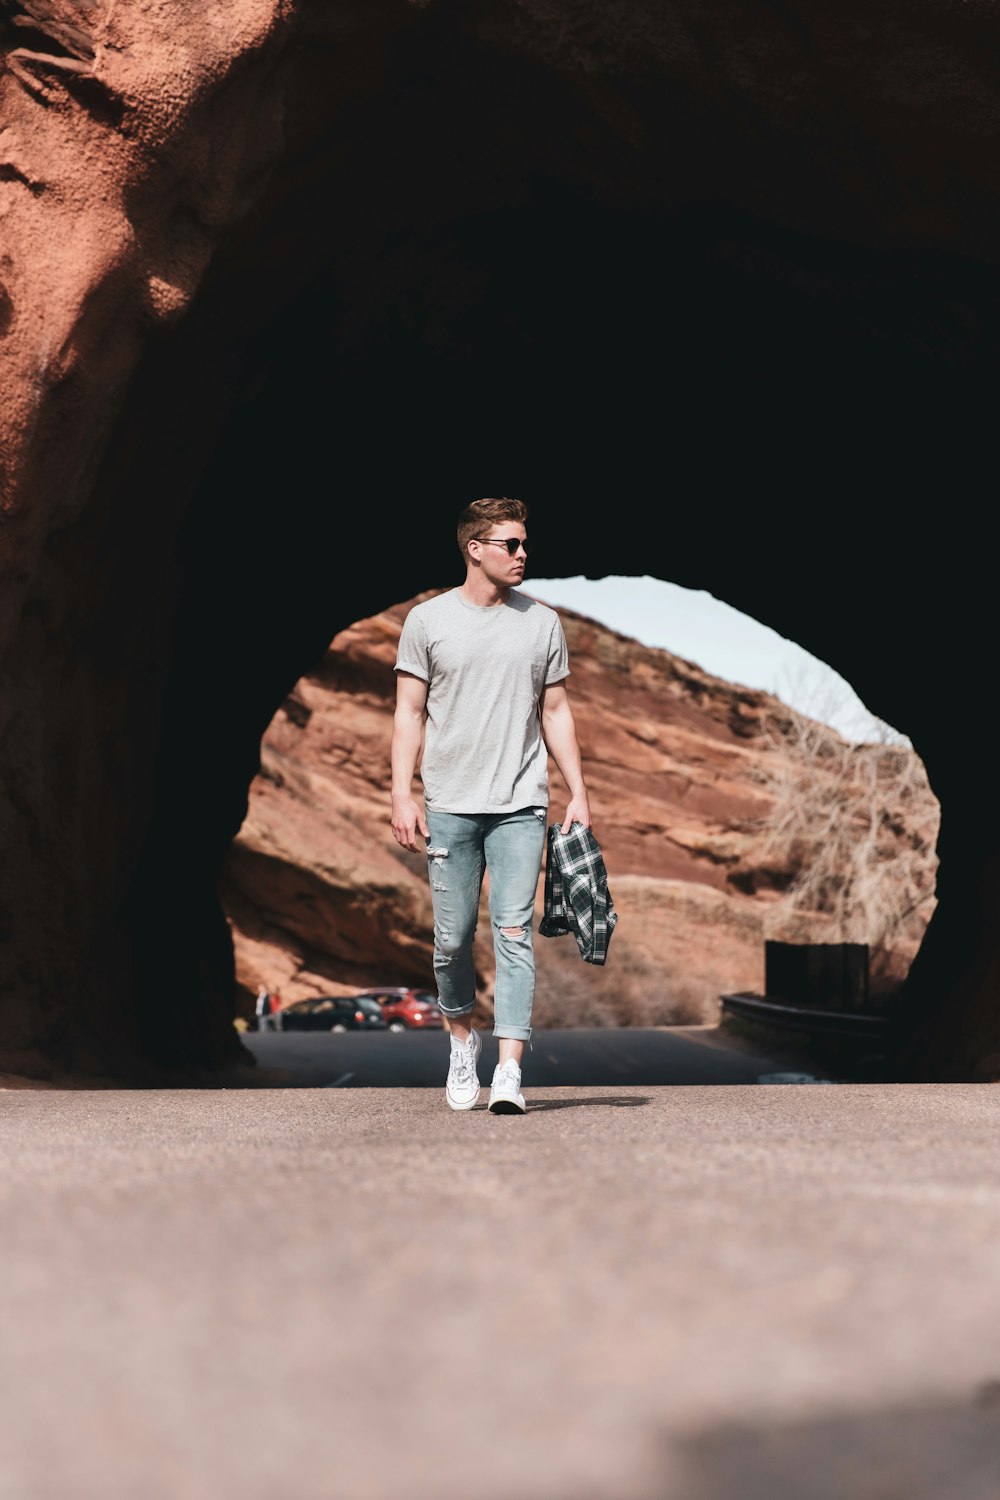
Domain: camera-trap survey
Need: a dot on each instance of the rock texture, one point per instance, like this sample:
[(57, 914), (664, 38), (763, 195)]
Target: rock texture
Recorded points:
[(681, 768), (284, 284), (132, 137)]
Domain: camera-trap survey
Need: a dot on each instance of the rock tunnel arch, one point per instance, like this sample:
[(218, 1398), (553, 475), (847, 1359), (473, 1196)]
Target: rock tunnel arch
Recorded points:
[(691, 310)]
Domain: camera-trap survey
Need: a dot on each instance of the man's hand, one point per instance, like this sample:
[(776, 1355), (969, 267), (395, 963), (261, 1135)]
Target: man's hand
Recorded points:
[(578, 811), (407, 817)]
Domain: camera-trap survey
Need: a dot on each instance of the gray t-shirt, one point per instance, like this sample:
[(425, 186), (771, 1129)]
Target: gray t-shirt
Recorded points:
[(485, 669)]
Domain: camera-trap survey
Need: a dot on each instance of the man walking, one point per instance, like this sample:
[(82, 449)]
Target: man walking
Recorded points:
[(480, 681)]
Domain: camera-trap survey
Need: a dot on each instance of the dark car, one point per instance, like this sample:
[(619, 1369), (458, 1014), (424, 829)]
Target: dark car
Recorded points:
[(406, 1009), (333, 1013)]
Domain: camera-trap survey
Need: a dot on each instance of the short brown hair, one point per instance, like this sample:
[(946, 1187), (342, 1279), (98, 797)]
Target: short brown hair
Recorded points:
[(478, 518)]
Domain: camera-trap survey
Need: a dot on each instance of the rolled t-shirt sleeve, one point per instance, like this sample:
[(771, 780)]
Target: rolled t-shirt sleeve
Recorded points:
[(558, 663), (412, 654)]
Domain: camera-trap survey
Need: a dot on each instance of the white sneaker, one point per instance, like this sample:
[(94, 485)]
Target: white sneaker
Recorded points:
[(505, 1093), (462, 1088)]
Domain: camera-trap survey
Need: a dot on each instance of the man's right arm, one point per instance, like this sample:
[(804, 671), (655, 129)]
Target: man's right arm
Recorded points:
[(407, 734)]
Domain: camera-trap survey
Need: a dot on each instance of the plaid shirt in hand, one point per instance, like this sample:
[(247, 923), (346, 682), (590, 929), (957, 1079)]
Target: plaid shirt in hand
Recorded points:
[(577, 898)]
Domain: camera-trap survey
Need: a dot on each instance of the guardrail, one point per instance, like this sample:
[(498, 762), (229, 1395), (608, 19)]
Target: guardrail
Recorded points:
[(809, 1019)]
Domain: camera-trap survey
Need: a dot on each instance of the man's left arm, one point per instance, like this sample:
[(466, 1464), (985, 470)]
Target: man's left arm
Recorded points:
[(559, 734)]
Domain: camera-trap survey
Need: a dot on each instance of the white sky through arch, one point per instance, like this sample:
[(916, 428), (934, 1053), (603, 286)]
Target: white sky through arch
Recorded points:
[(722, 640)]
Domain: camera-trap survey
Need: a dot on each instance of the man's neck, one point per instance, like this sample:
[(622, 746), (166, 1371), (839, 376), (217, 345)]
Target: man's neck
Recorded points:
[(478, 590)]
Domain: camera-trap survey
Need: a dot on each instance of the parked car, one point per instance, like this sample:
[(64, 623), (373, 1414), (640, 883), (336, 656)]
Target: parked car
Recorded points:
[(333, 1013), (407, 1009)]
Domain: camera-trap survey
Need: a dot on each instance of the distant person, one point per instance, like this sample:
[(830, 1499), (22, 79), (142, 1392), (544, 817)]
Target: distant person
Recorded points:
[(265, 1010), (480, 680)]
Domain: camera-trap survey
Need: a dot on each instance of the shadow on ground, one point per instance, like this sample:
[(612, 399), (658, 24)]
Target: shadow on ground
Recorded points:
[(625, 1102), (908, 1453)]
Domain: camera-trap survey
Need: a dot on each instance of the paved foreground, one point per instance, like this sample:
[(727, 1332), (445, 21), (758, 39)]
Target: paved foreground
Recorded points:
[(780, 1292)]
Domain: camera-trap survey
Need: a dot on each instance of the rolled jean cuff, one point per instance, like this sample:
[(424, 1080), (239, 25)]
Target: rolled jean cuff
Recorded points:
[(454, 1015), (513, 1033)]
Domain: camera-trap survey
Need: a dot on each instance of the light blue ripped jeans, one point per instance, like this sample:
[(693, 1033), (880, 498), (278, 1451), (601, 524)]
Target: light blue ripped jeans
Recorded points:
[(460, 849)]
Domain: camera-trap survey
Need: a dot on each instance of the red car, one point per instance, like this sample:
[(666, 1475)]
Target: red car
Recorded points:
[(406, 1009)]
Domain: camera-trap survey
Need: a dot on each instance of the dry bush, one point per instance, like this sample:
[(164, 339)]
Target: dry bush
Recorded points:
[(631, 989), (854, 826)]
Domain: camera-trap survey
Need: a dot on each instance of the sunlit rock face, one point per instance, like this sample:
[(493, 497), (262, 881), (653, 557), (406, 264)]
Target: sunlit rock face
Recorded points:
[(283, 285)]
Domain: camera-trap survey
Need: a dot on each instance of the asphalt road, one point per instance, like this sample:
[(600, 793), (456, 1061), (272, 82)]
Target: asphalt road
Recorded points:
[(780, 1292), (585, 1056)]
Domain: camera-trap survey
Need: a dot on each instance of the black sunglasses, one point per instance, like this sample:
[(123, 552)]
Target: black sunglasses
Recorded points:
[(510, 542)]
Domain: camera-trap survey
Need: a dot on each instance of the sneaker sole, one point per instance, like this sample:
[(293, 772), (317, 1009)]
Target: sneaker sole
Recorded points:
[(506, 1107), (469, 1104)]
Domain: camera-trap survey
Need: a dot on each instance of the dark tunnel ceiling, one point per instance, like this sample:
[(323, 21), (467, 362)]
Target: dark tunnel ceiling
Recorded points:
[(626, 374), (567, 348)]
